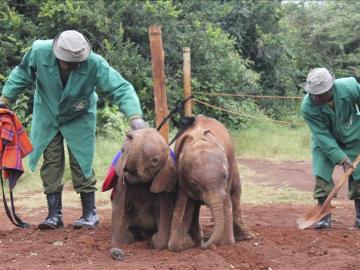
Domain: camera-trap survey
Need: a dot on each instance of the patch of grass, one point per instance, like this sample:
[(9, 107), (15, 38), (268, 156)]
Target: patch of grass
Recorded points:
[(273, 141), (30, 184), (254, 193), (105, 152), (261, 193)]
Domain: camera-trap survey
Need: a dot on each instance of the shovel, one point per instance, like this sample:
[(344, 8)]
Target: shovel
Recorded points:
[(316, 213)]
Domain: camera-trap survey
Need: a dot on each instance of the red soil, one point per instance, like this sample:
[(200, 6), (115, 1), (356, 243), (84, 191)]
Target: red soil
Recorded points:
[(278, 244)]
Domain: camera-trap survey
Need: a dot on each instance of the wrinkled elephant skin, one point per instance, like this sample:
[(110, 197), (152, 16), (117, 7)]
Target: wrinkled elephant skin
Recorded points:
[(207, 173), (144, 195)]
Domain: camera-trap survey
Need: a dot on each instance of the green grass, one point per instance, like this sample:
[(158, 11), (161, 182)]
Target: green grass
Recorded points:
[(261, 193), (30, 184), (268, 141), (274, 142), (254, 193)]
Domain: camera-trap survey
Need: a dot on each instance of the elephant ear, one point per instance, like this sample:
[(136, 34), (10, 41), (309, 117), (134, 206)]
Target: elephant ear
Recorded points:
[(166, 179), (210, 137), (182, 142)]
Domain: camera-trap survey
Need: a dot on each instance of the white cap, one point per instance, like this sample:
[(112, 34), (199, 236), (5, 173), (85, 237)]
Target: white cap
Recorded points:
[(319, 81), (71, 46)]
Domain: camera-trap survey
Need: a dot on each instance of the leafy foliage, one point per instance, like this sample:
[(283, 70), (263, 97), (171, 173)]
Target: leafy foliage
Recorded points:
[(237, 46), (110, 122)]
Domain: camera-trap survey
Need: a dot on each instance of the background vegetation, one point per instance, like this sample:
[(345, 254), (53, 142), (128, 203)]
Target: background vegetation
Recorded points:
[(263, 47), (249, 143)]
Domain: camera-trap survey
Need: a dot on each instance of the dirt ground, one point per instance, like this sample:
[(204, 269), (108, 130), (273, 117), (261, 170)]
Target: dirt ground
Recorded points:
[(278, 244)]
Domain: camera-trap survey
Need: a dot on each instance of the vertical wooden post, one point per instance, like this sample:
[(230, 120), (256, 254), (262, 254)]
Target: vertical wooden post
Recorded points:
[(157, 63), (187, 79)]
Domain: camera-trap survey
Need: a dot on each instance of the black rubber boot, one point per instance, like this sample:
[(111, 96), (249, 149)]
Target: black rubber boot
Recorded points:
[(89, 218), (54, 218), (357, 213), (325, 222)]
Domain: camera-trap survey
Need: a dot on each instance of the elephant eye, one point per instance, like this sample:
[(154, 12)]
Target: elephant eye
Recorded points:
[(132, 172), (155, 161)]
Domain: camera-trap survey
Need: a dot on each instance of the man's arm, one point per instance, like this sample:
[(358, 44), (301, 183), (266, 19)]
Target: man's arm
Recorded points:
[(4, 102), (20, 77), (324, 139), (121, 92)]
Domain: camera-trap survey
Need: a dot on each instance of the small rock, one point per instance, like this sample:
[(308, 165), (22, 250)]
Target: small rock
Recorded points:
[(117, 254), (212, 247)]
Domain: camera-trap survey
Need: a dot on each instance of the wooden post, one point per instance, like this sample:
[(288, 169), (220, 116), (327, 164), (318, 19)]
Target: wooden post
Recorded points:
[(157, 63), (187, 79)]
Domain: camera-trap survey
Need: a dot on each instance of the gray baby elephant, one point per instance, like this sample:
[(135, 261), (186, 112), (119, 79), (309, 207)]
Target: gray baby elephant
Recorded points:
[(144, 195)]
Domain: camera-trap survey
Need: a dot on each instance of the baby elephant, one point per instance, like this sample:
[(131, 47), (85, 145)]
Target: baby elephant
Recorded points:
[(208, 174), (144, 199)]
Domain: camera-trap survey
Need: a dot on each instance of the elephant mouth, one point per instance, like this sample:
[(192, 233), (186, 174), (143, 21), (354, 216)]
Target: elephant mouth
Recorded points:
[(130, 179), (134, 179)]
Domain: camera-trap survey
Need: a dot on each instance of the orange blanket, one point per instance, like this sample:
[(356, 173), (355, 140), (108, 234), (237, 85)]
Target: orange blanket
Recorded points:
[(15, 145)]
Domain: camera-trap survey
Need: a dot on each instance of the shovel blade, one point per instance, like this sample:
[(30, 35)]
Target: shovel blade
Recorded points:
[(314, 215), (318, 212)]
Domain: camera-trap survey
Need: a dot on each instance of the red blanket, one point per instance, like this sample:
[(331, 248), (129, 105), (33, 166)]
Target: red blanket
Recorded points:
[(15, 145), (111, 177)]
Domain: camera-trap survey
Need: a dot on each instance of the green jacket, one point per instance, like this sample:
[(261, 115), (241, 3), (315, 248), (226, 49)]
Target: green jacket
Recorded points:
[(335, 134), (70, 110)]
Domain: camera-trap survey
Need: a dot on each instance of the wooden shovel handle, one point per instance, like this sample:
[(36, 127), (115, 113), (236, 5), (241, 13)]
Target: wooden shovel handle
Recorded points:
[(342, 180)]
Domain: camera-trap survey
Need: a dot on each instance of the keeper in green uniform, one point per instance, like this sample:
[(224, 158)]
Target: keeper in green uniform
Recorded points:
[(331, 110), (67, 73)]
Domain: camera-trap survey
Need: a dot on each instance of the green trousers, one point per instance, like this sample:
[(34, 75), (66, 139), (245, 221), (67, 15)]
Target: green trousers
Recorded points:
[(52, 169), (323, 188)]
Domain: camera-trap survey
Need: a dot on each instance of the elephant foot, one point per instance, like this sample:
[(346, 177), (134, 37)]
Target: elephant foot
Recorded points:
[(197, 239), (241, 233), (196, 235), (229, 241), (221, 242), (159, 241), (125, 237), (180, 243)]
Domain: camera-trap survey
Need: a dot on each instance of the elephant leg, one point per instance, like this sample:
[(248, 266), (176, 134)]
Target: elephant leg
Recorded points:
[(119, 223), (165, 209), (241, 232), (228, 237), (182, 218), (195, 229)]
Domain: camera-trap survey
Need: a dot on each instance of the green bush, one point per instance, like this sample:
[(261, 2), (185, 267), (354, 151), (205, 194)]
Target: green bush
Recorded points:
[(237, 46), (110, 122)]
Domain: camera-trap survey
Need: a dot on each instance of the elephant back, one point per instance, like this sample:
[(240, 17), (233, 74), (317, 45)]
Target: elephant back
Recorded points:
[(205, 129)]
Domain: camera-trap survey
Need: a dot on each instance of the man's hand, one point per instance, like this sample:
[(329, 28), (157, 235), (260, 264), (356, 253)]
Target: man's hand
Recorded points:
[(3, 105), (346, 164), (136, 122), (4, 102)]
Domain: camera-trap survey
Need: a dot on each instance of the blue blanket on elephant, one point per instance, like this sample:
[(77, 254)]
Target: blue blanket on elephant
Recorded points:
[(111, 176)]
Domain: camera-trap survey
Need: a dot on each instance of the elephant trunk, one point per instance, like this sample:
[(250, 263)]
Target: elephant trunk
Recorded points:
[(215, 203), (134, 159)]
